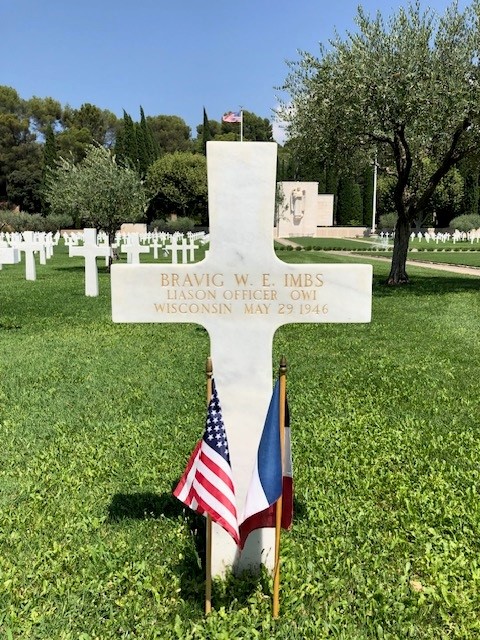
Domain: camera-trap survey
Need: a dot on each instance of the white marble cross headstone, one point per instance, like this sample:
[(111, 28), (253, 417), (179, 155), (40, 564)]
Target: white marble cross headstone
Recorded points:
[(155, 243), (42, 249), (29, 246), (133, 249), (8, 255), (241, 293), (191, 246), (90, 250), (173, 248)]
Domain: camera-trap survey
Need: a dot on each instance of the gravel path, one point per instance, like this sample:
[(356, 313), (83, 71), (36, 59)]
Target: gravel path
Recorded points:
[(453, 268)]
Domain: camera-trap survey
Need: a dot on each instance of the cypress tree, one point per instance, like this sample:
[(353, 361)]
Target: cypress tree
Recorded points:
[(367, 196), (349, 208), (470, 193), (206, 133), (141, 148), (130, 141), (356, 217), (119, 148), (148, 142), (331, 186)]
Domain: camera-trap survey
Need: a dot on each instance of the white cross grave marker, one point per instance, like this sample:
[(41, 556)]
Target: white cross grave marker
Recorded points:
[(173, 248), (89, 251), (8, 255), (241, 293), (191, 249), (29, 246), (133, 249), (155, 243)]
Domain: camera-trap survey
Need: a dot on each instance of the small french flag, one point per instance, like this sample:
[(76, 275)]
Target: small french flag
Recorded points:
[(268, 481)]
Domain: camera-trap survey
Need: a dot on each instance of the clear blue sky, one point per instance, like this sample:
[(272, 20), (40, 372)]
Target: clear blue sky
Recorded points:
[(172, 57)]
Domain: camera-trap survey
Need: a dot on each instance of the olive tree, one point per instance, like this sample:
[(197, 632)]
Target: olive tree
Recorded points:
[(96, 192), (407, 87)]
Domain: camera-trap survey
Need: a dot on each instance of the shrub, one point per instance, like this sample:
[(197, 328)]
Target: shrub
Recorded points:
[(159, 225), (7, 220), (388, 221), (466, 222), (55, 222), (20, 221), (180, 224)]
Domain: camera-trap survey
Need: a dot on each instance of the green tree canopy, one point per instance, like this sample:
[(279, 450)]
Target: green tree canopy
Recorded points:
[(17, 147), (43, 113), (170, 133), (96, 192), (409, 84), (101, 124), (255, 128), (177, 184)]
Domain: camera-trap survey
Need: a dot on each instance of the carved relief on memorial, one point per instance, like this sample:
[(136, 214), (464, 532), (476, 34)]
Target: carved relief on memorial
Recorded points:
[(297, 204)]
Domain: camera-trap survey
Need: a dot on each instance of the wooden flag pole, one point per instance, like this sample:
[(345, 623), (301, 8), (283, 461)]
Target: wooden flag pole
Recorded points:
[(208, 538), (279, 504)]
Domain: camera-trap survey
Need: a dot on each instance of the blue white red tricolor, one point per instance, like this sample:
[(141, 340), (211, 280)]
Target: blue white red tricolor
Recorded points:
[(268, 481)]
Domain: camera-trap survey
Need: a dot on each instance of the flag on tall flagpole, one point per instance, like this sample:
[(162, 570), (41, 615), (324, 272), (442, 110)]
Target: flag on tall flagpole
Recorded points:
[(232, 116), (268, 483), (207, 484)]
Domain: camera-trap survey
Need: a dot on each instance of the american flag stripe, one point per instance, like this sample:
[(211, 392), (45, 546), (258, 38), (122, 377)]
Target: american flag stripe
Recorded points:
[(217, 510), (207, 485), (211, 465), (204, 488), (230, 525), (182, 491)]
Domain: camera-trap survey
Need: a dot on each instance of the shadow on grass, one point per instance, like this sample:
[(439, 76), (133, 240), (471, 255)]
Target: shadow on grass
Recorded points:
[(141, 506), (191, 568), (149, 505), (73, 267), (426, 285)]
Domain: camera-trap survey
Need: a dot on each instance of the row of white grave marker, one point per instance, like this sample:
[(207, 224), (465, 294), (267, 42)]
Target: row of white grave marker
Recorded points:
[(88, 245), (456, 236), (28, 242)]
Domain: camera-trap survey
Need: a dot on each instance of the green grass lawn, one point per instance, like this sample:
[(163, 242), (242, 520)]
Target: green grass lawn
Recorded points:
[(97, 422), (367, 244), (333, 243), (461, 253)]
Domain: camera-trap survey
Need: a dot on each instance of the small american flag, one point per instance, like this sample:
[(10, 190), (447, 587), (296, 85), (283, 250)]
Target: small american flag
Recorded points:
[(207, 485), (232, 116)]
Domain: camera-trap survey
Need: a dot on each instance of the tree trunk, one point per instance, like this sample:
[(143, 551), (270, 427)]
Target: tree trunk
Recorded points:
[(113, 252), (398, 272)]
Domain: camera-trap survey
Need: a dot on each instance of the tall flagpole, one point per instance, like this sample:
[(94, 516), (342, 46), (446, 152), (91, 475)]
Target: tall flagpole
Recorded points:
[(279, 504), (208, 552)]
